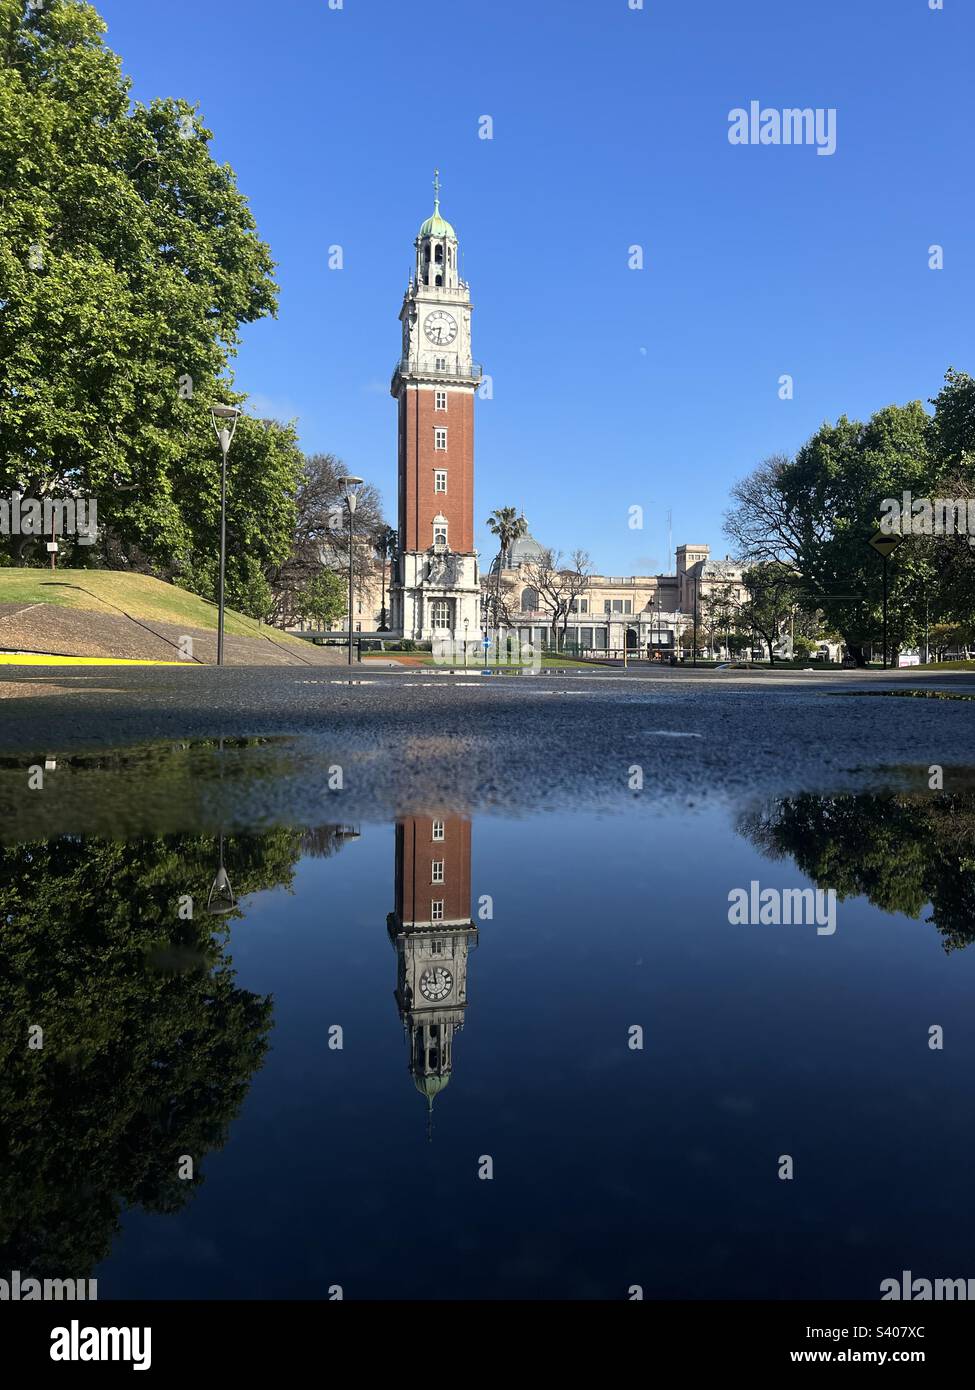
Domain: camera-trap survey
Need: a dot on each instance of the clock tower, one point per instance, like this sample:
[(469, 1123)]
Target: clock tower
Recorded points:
[(432, 932), (436, 586)]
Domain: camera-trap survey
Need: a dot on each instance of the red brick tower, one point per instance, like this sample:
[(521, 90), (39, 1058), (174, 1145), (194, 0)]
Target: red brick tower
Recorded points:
[(437, 586)]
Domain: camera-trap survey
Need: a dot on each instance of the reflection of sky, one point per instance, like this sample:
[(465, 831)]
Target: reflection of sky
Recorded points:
[(612, 1166)]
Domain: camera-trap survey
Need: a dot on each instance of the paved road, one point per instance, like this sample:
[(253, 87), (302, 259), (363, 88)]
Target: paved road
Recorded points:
[(425, 738)]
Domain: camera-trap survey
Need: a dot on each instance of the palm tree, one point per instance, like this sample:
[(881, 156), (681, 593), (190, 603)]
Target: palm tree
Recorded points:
[(509, 526), (385, 547)]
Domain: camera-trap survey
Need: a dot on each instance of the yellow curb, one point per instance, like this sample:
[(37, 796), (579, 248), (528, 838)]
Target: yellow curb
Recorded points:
[(41, 659)]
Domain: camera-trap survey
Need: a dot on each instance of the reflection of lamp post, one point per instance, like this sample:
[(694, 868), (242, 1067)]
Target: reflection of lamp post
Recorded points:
[(352, 486), (229, 415), (221, 899), (467, 623)]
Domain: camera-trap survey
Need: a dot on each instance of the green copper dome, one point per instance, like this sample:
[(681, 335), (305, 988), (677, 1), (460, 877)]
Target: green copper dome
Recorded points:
[(437, 225), (431, 1086)]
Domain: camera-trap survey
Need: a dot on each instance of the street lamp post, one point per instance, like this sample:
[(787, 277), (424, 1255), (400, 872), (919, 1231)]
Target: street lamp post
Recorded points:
[(225, 419), (352, 486), (694, 655), (467, 623)]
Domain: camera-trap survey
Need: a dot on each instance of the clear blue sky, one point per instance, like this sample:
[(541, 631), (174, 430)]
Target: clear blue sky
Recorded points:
[(612, 387)]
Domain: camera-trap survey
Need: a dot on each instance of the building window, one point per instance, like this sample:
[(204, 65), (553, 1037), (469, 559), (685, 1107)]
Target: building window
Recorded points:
[(440, 535), (436, 910), (438, 255), (627, 606), (440, 615), (441, 364), (617, 605), (529, 601), (607, 605), (437, 867), (440, 480), (579, 605), (441, 400), (436, 948), (439, 280), (438, 828), (440, 438)]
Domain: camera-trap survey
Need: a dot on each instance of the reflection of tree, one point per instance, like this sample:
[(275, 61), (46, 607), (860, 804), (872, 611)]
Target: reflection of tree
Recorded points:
[(900, 850), (148, 1043)]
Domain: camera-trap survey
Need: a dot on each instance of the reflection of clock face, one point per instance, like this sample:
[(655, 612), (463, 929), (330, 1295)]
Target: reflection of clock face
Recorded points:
[(440, 327), (436, 983)]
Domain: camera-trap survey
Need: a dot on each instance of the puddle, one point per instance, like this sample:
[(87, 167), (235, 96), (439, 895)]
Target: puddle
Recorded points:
[(338, 1021)]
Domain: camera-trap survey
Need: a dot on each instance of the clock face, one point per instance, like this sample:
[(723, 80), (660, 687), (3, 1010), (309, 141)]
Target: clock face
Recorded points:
[(440, 327), (436, 983)]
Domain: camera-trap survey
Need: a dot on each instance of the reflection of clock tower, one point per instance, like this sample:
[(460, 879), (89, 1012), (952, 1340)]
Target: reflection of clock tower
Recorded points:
[(432, 932), (436, 586)]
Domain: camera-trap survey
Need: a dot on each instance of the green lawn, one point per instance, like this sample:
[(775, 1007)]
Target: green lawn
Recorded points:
[(138, 595)]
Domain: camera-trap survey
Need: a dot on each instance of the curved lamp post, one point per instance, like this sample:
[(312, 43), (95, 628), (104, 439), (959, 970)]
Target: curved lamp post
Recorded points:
[(351, 485), (225, 419)]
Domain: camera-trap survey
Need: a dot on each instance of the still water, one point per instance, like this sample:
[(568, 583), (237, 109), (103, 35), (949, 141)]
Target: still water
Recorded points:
[(462, 1055)]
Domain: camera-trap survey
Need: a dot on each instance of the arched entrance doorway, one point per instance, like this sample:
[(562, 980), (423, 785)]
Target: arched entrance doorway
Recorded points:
[(631, 639)]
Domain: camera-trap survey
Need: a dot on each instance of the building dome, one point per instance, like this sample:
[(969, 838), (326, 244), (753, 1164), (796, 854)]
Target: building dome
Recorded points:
[(436, 225), (524, 550), (431, 1086)]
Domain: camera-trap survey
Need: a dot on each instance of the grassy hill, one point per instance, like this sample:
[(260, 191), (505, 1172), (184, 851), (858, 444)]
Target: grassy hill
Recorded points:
[(137, 595)]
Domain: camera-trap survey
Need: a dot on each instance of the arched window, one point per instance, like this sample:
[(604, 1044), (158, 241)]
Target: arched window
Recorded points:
[(529, 600), (438, 255), (439, 279)]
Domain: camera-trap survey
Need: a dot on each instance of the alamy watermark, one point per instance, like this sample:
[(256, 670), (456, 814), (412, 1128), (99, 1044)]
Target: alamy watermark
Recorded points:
[(792, 125), (61, 516), (27, 1290), (928, 516), (774, 907), (923, 1290)]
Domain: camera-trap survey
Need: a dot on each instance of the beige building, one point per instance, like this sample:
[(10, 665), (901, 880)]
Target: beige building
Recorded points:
[(645, 614)]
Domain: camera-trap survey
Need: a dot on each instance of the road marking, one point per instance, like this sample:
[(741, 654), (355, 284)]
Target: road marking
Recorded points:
[(671, 733)]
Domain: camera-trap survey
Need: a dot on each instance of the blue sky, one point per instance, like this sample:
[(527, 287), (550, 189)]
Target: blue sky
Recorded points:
[(612, 387)]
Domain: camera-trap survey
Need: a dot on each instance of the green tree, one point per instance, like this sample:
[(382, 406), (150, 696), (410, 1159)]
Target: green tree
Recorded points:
[(815, 514), (148, 1042), (385, 541), (951, 594), (509, 526), (129, 261), (771, 591), (322, 600), (900, 850)]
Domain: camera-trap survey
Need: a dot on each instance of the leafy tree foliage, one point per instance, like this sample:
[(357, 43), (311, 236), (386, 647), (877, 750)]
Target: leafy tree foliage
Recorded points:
[(900, 850), (149, 1043), (128, 262), (815, 513)]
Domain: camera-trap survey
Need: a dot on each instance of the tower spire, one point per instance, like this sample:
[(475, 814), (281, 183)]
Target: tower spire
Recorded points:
[(436, 191)]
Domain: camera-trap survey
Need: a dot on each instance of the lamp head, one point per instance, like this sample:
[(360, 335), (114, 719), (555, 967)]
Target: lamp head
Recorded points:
[(224, 419), (351, 484)]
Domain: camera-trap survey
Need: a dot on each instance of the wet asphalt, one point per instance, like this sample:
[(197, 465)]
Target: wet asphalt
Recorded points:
[(405, 740)]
